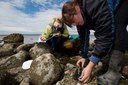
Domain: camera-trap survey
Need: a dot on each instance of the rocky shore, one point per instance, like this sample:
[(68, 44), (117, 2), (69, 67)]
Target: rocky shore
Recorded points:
[(47, 68)]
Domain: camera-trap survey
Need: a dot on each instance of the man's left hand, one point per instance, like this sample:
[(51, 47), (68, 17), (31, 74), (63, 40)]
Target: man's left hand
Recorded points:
[(86, 73)]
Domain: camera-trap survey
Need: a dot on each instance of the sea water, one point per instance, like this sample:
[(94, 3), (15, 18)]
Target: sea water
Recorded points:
[(28, 38), (31, 38)]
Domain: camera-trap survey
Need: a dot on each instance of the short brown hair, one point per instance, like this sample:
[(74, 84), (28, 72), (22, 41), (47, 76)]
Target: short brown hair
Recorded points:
[(68, 11)]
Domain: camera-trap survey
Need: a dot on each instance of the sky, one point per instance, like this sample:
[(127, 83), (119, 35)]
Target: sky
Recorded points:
[(28, 16)]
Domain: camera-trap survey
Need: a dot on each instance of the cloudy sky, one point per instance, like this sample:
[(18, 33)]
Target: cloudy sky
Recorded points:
[(27, 16)]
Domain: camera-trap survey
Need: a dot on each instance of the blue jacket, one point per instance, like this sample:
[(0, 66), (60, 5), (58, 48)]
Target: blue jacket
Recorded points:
[(100, 18)]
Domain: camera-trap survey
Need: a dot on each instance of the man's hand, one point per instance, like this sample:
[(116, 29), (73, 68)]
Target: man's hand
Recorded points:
[(86, 73), (81, 60)]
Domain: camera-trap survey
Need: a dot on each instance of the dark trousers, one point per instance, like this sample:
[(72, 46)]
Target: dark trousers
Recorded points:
[(121, 34), (56, 42), (121, 22)]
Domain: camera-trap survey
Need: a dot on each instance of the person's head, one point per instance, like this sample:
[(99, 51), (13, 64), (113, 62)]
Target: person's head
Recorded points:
[(58, 21), (71, 13)]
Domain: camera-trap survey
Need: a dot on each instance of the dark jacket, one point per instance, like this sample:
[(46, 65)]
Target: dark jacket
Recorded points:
[(98, 17)]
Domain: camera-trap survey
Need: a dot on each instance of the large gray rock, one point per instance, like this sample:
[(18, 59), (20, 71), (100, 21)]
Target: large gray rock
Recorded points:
[(14, 38), (26, 81), (13, 76), (14, 60), (125, 71), (7, 79), (25, 47), (7, 50), (20, 74), (45, 70), (91, 45), (39, 49)]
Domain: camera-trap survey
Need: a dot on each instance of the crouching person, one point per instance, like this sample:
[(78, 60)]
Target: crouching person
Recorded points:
[(55, 34)]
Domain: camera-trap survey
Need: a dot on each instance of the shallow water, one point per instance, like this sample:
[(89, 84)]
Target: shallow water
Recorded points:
[(30, 38)]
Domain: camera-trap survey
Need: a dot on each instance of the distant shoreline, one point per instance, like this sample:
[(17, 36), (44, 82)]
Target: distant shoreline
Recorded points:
[(30, 38), (20, 33), (29, 34)]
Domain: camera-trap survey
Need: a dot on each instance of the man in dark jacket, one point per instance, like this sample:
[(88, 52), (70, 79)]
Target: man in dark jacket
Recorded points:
[(98, 16)]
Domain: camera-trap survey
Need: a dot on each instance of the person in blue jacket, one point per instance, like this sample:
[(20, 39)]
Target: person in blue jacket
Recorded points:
[(97, 15)]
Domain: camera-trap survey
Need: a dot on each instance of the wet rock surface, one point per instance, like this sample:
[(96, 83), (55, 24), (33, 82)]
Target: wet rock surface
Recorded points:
[(47, 68), (14, 38), (7, 50), (39, 49), (14, 60), (25, 47)]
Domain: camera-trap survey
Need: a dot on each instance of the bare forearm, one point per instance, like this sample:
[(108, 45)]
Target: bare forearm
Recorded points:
[(91, 65)]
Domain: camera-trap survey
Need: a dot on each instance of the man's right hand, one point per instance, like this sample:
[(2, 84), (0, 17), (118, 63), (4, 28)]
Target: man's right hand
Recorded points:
[(81, 60)]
